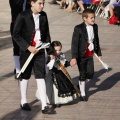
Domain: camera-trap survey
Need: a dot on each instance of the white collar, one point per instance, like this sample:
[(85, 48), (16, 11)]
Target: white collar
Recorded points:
[(89, 25), (36, 15)]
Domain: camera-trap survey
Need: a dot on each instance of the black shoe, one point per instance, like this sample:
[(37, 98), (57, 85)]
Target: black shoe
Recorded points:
[(14, 71), (117, 23), (47, 110), (16, 76), (25, 107), (19, 78), (83, 98), (58, 105)]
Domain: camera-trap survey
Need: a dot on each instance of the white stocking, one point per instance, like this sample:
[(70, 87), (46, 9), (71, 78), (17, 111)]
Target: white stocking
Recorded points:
[(82, 87), (23, 90), (41, 89), (17, 63)]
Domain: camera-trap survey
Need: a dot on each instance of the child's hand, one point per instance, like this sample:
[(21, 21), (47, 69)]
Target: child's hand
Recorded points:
[(99, 58), (52, 57), (32, 49), (73, 62)]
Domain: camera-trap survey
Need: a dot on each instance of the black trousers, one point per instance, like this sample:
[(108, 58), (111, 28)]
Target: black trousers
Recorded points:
[(16, 48), (37, 64), (86, 68)]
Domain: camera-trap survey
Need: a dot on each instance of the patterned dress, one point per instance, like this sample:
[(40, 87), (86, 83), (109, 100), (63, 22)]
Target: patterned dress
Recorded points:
[(59, 88)]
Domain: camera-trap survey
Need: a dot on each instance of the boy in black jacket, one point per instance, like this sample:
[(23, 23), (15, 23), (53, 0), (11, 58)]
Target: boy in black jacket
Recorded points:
[(30, 30), (85, 42)]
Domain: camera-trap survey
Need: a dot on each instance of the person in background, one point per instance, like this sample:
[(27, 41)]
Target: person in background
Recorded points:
[(81, 4), (16, 6), (111, 8), (117, 9)]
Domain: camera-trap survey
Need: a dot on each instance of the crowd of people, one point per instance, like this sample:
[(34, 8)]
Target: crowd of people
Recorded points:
[(109, 8)]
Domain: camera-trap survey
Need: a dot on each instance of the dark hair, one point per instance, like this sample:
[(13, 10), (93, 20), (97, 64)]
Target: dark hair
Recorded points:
[(55, 44), (33, 1), (87, 11)]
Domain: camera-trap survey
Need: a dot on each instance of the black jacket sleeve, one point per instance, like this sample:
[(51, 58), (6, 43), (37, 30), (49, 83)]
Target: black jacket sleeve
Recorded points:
[(74, 44), (97, 45), (17, 33)]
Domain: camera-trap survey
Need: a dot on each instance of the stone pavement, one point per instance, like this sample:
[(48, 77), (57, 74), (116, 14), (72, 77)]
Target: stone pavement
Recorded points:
[(103, 91)]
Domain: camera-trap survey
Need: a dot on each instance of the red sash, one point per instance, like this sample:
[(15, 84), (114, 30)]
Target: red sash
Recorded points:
[(88, 53)]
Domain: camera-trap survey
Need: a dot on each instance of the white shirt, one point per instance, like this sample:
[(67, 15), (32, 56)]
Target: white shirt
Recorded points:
[(36, 20), (37, 37), (90, 33), (90, 37)]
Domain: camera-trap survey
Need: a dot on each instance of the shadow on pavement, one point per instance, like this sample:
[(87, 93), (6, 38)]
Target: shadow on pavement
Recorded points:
[(5, 43), (19, 114), (4, 33), (96, 77), (107, 84), (5, 76)]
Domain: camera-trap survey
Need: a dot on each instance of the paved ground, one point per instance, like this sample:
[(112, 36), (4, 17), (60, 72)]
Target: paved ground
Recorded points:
[(103, 91)]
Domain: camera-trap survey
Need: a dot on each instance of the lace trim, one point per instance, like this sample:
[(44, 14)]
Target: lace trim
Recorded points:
[(59, 94)]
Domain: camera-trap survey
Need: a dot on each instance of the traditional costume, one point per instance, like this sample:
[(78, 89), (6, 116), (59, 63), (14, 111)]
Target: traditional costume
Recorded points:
[(85, 42), (60, 90), (36, 25)]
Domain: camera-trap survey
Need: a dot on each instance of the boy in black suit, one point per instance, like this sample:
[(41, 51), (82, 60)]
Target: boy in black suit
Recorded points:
[(85, 42), (31, 28)]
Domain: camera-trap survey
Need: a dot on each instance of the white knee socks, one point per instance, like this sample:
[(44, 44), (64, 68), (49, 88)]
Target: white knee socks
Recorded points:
[(82, 87), (41, 89), (23, 90), (17, 63)]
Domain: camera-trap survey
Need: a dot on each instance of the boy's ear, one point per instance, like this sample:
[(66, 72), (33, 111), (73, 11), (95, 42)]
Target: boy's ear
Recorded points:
[(84, 18), (32, 3)]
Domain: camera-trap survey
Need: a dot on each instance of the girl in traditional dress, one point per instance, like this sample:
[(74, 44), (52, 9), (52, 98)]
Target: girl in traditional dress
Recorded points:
[(59, 88)]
